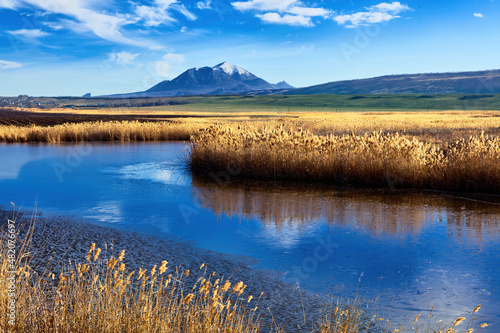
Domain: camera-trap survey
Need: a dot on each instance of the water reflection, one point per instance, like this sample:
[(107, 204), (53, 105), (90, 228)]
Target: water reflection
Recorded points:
[(416, 249), (288, 208)]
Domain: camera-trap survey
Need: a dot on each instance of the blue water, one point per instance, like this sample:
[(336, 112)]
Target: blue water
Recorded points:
[(411, 251)]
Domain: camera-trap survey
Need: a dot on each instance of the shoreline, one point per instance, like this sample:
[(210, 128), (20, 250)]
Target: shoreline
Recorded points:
[(56, 240)]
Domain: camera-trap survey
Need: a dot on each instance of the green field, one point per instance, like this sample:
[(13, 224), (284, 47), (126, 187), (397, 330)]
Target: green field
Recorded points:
[(348, 102), (334, 103), (281, 103)]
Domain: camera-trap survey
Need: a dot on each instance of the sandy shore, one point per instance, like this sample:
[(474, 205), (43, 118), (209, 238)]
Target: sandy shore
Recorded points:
[(56, 240)]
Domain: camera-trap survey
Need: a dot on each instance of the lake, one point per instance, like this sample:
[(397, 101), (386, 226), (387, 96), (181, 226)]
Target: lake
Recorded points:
[(410, 250)]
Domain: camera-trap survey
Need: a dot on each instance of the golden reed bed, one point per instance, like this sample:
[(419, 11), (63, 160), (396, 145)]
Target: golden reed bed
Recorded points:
[(377, 159), (122, 131), (437, 127)]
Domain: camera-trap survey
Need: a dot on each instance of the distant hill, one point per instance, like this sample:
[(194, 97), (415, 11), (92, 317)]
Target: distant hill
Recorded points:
[(482, 82), (223, 78)]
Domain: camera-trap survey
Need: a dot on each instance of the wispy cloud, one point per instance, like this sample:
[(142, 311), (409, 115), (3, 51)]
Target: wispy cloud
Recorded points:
[(183, 10), (82, 17), (287, 12), (29, 33), (394, 7), (479, 15), (10, 4), (164, 67), (9, 64), (309, 11), (264, 5), (53, 25), (275, 18), (123, 58), (159, 12), (382, 12), (152, 16), (207, 4)]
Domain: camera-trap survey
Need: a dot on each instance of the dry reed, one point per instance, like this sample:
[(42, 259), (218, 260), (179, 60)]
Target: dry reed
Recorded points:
[(122, 131), (436, 127), (103, 295), (376, 160)]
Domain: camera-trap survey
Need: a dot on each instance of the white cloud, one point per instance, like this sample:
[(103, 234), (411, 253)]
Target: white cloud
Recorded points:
[(264, 5), (123, 58), (394, 7), (479, 15), (10, 4), (164, 3), (164, 67), (87, 16), (382, 12), (53, 25), (183, 29), (286, 19), (204, 4), (153, 17), (9, 64), (159, 13), (182, 9), (304, 11), (288, 12), (82, 18), (363, 18), (29, 33)]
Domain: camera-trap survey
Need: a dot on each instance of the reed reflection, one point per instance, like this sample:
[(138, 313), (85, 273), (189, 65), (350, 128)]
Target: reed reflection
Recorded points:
[(382, 214)]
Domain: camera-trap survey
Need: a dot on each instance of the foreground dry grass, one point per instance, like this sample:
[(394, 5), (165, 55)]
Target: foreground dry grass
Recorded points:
[(103, 295), (378, 159)]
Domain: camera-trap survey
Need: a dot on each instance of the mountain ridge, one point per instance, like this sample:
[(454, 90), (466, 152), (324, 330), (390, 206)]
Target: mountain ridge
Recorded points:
[(471, 82), (225, 78)]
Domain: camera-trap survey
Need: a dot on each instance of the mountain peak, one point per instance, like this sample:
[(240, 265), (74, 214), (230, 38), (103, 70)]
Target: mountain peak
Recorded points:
[(283, 85), (231, 69), (224, 78)]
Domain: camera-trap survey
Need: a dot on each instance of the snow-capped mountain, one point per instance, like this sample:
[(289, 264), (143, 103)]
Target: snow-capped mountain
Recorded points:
[(224, 78), (232, 69)]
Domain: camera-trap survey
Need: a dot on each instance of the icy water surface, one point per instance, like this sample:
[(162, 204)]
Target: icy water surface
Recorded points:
[(411, 251)]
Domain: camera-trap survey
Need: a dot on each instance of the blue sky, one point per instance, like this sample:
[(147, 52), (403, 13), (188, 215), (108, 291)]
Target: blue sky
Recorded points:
[(72, 47)]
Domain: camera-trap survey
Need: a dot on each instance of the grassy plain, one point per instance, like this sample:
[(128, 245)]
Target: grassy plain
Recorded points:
[(282, 103)]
